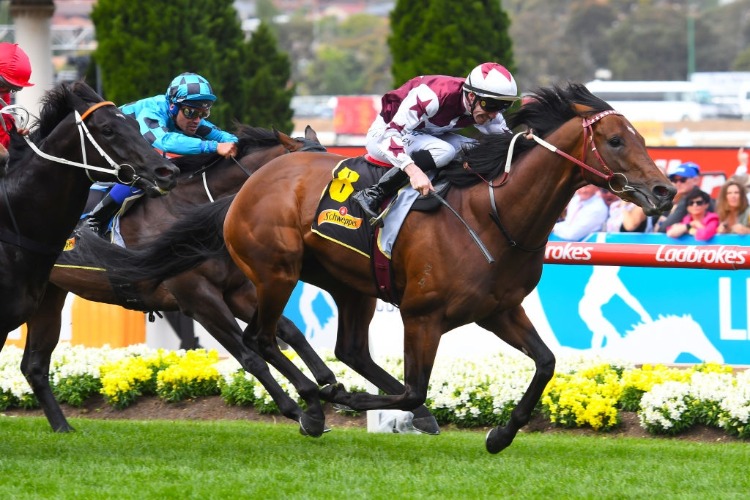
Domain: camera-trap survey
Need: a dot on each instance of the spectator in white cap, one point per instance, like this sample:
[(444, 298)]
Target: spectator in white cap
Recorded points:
[(686, 178)]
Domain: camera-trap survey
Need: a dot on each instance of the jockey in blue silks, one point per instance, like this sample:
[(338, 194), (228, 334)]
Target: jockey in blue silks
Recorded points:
[(174, 124)]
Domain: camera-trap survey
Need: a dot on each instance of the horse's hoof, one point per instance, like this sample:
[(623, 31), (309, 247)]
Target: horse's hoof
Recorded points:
[(340, 407), (312, 427), (64, 428), (426, 425), (497, 440)]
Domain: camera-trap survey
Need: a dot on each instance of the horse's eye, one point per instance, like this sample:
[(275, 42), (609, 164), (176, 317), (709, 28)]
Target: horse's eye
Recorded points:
[(615, 141), (107, 131)]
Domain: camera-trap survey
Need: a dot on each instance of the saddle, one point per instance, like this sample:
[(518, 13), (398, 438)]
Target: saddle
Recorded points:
[(342, 221)]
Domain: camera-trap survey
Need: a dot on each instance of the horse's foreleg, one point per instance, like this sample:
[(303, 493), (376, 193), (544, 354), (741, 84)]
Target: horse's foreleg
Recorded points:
[(353, 349), (42, 336), (515, 328)]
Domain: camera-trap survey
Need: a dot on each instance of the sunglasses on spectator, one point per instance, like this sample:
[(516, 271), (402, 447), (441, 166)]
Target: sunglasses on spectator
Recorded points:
[(678, 180), (697, 203), (191, 113), (493, 105)]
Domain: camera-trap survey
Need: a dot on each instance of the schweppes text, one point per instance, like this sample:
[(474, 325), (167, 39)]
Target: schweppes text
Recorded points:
[(340, 219)]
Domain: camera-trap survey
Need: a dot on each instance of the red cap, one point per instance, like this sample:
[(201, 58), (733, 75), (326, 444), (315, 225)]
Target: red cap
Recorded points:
[(15, 67)]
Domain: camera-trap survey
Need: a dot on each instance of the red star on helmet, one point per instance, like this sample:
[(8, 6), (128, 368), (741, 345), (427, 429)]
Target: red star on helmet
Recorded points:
[(487, 67)]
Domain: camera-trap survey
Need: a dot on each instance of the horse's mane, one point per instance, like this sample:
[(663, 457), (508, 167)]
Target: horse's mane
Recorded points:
[(250, 139), (56, 104), (254, 138), (545, 110), (59, 102)]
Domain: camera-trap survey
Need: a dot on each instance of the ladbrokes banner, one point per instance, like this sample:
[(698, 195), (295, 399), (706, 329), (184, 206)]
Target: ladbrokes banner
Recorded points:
[(696, 308)]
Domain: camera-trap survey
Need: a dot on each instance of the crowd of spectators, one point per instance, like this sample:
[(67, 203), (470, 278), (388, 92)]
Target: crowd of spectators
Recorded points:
[(695, 212)]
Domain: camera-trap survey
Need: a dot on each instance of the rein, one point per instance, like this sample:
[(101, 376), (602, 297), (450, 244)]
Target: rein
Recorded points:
[(22, 115), (205, 179), (202, 170), (588, 136)]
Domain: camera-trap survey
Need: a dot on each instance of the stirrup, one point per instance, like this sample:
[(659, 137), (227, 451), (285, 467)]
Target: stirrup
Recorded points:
[(379, 220)]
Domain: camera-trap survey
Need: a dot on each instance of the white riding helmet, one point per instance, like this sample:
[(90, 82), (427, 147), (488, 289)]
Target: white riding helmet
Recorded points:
[(493, 81)]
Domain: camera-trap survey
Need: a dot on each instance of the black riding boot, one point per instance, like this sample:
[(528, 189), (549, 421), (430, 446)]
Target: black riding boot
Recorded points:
[(370, 198), (98, 219)]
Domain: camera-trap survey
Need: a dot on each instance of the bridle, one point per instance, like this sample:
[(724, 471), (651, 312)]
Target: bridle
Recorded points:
[(588, 140), (22, 118), (588, 137)]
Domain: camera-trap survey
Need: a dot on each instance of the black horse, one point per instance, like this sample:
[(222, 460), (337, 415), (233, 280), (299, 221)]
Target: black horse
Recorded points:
[(43, 189), (213, 293)]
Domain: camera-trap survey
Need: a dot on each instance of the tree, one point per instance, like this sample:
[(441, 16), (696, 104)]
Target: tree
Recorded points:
[(447, 37), (142, 46), (350, 58), (266, 91)]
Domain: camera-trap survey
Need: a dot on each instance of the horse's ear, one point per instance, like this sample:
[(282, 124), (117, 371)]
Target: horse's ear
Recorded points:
[(311, 135)]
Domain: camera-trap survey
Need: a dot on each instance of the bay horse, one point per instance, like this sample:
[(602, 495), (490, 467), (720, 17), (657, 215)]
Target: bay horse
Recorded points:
[(214, 293), (77, 138), (443, 282), (565, 138)]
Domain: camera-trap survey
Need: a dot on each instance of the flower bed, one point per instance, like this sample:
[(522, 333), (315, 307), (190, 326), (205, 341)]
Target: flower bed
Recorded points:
[(584, 392)]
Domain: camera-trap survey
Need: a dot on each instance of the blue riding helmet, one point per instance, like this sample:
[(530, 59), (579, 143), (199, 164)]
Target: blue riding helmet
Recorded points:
[(190, 89)]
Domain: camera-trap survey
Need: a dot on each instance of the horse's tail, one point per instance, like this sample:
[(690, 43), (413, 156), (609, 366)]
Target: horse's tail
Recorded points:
[(196, 237)]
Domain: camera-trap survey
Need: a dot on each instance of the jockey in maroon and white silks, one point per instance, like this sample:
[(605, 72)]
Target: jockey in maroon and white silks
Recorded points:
[(422, 115), (415, 128)]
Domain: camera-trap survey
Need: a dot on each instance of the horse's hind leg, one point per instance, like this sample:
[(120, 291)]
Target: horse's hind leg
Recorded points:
[(515, 328), (205, 303), (42, 337), (353, 349), (261, 332), (243, 303)]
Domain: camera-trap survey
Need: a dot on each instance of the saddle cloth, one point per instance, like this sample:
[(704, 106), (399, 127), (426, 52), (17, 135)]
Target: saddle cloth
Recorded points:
[(342, 220)]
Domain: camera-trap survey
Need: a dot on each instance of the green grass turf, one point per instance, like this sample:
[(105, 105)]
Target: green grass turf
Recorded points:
[(235, 459)]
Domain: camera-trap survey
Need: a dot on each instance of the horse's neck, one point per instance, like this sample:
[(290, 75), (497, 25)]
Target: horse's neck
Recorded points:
[(43, 202), (540, 186)]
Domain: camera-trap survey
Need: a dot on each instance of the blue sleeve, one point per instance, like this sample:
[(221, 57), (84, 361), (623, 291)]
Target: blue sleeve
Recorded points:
[(211, 132), (160, 130)]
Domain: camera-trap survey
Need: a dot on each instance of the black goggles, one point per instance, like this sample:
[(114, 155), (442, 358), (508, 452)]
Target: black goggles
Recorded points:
[(493, 105), (191, 113)]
